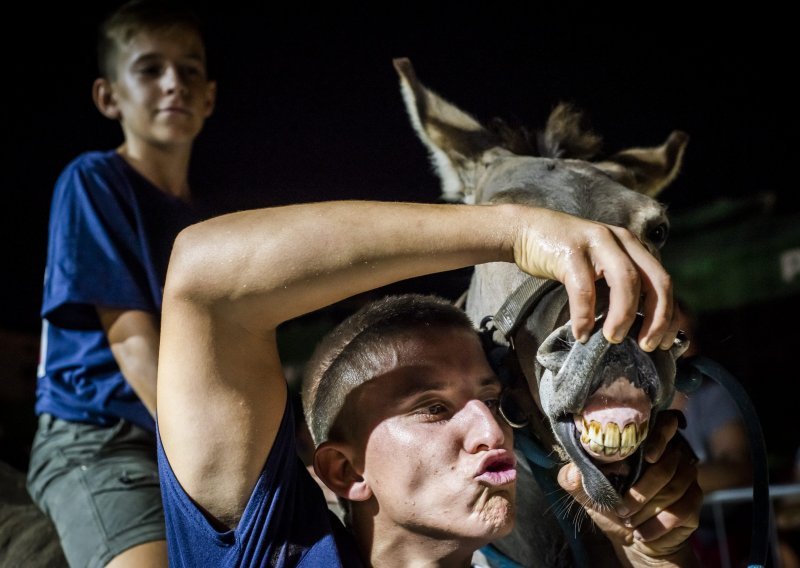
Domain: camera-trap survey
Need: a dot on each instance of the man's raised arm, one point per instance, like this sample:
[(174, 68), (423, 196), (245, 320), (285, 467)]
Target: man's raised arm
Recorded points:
[(233, 279)]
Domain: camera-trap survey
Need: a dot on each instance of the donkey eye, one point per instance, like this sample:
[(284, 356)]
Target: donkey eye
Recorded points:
[(658, 235)]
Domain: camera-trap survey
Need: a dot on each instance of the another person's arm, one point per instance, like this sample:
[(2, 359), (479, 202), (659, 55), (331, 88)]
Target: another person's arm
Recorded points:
[(661, 510), (233, 279), (729, 463)]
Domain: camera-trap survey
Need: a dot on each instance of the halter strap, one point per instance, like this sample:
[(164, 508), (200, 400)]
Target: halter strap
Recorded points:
[(511, 314)]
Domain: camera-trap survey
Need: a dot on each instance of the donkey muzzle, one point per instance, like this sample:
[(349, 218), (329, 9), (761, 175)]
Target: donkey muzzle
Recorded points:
[(601, 400)]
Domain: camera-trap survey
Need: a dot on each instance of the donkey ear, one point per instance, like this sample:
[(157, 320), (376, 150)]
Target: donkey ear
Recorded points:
[(648, 170), (568, 135), (456, 140)]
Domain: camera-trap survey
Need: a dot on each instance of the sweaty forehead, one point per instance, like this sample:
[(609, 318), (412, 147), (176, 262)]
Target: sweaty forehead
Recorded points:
[(411, 381), (432, 360)]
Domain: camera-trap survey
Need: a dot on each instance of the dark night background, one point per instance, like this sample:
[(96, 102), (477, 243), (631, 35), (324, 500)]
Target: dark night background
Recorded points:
[(309, 109)]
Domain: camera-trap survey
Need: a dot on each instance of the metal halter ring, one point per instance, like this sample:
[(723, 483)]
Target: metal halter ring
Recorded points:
[(514, 423)]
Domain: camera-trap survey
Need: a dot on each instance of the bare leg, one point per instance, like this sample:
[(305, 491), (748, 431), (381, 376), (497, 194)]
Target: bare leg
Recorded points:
[(150, 554)]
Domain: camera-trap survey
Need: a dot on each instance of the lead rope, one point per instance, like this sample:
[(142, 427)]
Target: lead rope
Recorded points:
[(687, 382)]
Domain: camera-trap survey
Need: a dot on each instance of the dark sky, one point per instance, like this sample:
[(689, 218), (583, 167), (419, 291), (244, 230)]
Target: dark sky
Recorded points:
[(309, 106)]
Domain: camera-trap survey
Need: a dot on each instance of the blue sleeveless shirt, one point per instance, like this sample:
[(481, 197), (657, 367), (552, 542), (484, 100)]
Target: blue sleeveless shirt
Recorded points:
[(286, 522)]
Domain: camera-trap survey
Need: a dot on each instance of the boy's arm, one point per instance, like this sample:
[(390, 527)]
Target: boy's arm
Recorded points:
[(233, 279), (133, 337)]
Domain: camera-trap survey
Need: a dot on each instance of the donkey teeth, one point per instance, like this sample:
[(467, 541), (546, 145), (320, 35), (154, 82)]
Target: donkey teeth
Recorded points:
[(610, 441), (629, 436)]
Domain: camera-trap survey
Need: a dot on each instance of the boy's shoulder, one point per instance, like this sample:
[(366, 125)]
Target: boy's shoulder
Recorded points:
[(95, 172), (102, 169), (92, 160)]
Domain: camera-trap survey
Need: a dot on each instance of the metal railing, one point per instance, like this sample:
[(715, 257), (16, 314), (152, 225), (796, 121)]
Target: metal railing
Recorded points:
[(717, 500)]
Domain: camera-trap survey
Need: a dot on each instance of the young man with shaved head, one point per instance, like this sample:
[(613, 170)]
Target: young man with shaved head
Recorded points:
[(402, 403)]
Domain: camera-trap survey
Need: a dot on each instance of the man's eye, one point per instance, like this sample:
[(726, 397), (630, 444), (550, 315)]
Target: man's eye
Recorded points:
[(493, 404), (432, 412)]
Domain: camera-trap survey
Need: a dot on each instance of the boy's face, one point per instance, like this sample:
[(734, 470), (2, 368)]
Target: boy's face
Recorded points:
[(161, 90), (437, 457)]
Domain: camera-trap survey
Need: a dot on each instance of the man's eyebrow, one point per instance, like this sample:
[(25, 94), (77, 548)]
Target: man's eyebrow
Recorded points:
[(418, 386), (422, 385)]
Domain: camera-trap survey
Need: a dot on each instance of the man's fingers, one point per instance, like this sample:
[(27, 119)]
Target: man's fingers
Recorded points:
[(580, 286), (570, 479), (659, 327), (583, 252), (677, 508), (664, 490), (624, 284)]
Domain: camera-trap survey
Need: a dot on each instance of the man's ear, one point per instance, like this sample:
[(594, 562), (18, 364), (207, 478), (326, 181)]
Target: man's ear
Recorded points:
[(104, 98), (333, 464)]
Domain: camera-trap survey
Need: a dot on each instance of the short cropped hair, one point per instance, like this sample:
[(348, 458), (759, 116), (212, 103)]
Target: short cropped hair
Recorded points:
[(345, 358), (134, 17)]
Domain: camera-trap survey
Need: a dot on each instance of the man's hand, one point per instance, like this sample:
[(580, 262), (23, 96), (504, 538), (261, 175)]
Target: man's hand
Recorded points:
[(652, 524), (577, 252)]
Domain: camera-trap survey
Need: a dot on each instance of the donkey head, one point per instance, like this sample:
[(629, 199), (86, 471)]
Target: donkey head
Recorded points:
[(598, 399)]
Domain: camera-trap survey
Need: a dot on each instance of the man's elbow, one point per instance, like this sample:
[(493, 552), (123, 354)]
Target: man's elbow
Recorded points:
[(187, 271)]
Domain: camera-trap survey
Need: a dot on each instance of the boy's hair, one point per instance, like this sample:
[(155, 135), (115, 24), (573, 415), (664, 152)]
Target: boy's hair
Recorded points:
[(347, 357), (136, 16)]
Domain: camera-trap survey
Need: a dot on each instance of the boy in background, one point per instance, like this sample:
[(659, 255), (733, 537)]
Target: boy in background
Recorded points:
[(114, 216)]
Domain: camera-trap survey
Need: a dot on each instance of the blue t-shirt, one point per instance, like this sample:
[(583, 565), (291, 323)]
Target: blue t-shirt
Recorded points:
[(286, 522), (110, 236)]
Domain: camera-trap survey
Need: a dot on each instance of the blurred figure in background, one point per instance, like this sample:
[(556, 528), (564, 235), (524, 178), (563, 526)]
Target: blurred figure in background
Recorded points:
[(715, 429), (114, 216), (716, 432)]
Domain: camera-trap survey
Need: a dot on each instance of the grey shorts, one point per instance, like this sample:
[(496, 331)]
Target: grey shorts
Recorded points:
[(99, 485)]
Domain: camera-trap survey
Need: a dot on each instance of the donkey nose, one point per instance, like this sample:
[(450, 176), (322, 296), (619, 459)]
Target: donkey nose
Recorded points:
[(482, 430)]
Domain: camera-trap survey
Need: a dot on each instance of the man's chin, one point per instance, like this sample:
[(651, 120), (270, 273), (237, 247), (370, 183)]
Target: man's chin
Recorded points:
[(497, 515)]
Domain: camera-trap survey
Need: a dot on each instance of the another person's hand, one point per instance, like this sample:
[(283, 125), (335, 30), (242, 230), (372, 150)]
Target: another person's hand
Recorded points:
[(656, 517), (577, 252)]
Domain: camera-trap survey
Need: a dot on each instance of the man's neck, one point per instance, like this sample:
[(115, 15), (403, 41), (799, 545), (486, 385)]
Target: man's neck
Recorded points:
[(388, 545)]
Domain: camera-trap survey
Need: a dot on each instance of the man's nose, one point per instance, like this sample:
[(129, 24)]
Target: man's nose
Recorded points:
[(482, 431)]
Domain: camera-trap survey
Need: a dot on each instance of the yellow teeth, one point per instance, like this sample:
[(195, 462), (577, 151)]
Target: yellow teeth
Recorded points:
[(610, 440)]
